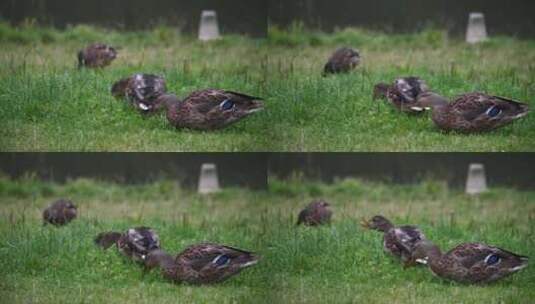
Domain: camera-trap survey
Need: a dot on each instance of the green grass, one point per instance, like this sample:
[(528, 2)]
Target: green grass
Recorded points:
[(48, 105), (341, 263)]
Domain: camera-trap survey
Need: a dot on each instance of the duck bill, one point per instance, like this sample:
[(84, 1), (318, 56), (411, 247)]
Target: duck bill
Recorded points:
[(365, 224)]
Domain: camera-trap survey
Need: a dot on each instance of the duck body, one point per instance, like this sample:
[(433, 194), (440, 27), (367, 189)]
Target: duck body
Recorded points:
[(474, 263), (210, 109), (97, 55), (135, 243), (477, 112), (60, 213), (343, 60), (315, 214), (205, 263), (403, 93), (141, 90), (399, 242)]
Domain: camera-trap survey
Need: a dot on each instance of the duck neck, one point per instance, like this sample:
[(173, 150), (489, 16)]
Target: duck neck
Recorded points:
[(434, 255), (386, 226)]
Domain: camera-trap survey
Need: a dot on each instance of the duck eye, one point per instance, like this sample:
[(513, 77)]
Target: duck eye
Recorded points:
[(492, 259), (227, 105), (221, 260), (493, 111)]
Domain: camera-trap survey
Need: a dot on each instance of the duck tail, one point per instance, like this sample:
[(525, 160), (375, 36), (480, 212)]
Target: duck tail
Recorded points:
[(512, 109), (249, 260), (105, 240)]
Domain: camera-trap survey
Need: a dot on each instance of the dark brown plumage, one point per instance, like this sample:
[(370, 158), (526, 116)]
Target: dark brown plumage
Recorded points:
[(315, 214), (135, 243), (473, 263), (473, 112), (142, 91), (205, 263), (60, 213), (397, 241), (209, 109), (343, 60), (96, 55), (403, 94)]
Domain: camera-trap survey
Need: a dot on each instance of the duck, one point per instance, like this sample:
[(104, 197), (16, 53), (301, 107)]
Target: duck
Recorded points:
[(470, 263), (343, 60), (134, 243), (96, 55), (397, 241), (141, 90), (474, 112), (315, 214), (204, 263), (403, 93), (209, 109), (60, 212)]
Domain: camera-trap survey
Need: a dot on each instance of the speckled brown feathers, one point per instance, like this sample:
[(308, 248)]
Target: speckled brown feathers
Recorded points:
[(60, 213), (315, 214), (403, 94), (472, 262), (210, 109), (397, 241), (205, 263), (476, 112), (135, 243), (343, 60), (142, 91), (96, 55)]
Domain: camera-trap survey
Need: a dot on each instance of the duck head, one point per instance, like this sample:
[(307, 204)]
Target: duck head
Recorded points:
[(378, 222), (118, 89), (380, 91), (70, 209), (322, 204)]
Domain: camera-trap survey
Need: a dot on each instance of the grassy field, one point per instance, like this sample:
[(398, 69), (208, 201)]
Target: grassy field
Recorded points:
[(341, 263), (48, 105)]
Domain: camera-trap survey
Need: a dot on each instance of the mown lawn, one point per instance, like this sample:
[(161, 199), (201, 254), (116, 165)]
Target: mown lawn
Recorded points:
[(341, 263), (48, 105)]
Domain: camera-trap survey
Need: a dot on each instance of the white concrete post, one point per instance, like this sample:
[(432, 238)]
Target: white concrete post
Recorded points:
[(208, 28), (477, 30), (208, 180), (476, 182)]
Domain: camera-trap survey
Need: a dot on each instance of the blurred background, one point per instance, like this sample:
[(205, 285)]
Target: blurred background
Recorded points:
[(251, 170), (235, 16), (514, 17), (505, 169), (246, 170)]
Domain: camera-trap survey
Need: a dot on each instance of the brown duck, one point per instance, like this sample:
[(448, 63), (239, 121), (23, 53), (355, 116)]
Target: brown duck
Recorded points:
[(473, 112), (209, 109), (343, 60), (205, 263), (135, 243), (96, 55), (403, 94), (141, 90), (60, 213), (397, 241), (471, 262), (315, 214)]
